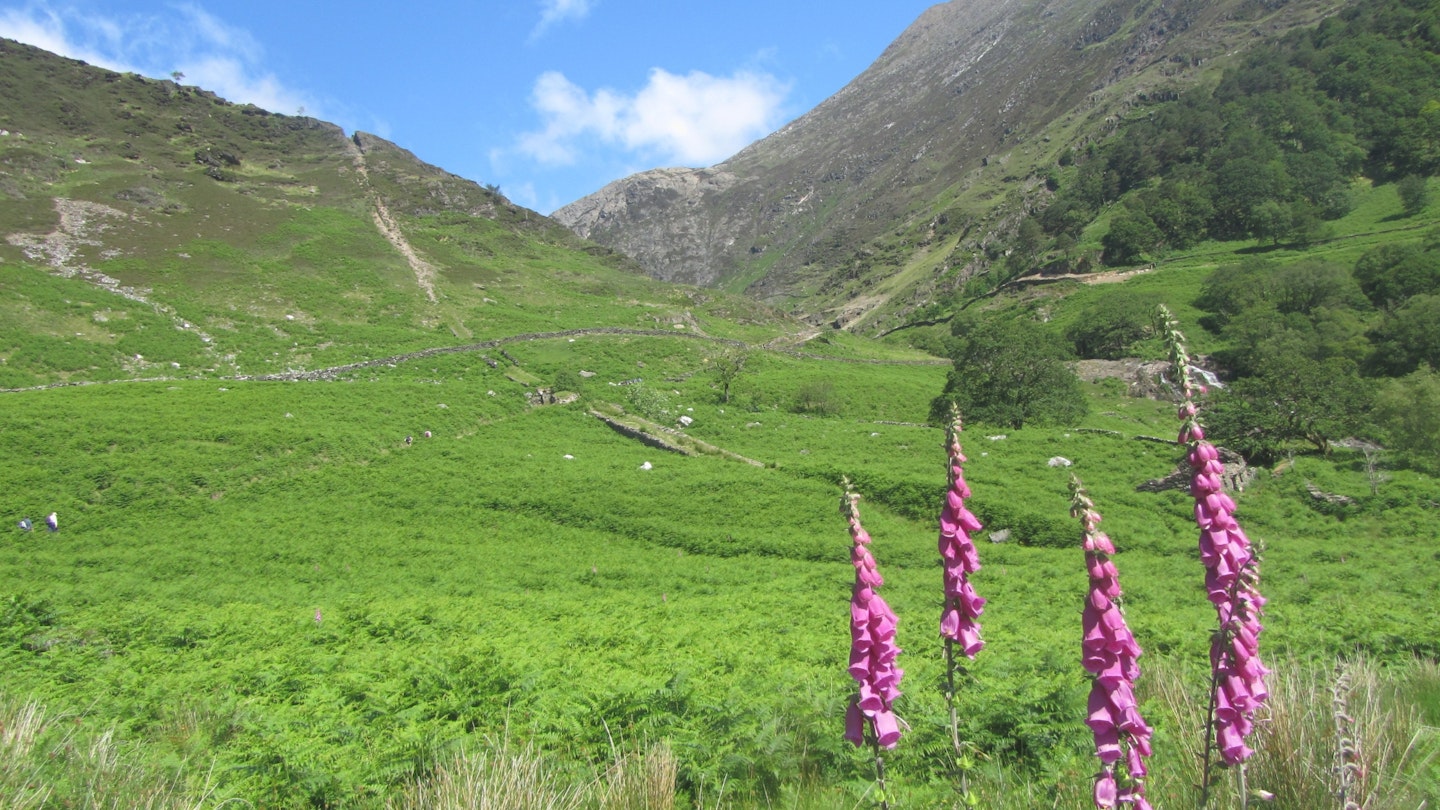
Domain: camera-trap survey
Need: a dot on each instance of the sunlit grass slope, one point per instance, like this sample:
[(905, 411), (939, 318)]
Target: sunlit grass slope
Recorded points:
[(264, 582), (154, 229)]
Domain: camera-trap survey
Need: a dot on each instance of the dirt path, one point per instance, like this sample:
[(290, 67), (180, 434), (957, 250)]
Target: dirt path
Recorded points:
[(388, 228)]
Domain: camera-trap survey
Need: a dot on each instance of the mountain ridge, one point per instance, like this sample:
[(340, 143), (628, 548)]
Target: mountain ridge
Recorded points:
[(938, 144), (152, 227)]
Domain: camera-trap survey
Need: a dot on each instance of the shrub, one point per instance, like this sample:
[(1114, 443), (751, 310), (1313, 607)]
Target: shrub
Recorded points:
[(816, 397), (649, 402)]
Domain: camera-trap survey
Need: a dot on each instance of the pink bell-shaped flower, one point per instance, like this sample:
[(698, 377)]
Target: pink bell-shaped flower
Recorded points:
[(959, 557), (872, 644), (1109, 652)]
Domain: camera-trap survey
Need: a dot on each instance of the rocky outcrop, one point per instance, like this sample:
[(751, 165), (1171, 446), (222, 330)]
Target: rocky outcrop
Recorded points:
[(672, 217), (949, 126)]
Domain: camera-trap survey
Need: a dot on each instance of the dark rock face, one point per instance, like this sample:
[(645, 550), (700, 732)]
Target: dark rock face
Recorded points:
[(941, 137)]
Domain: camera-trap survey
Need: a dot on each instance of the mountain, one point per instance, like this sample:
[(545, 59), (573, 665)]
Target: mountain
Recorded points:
[(912, 178), (148, 226)]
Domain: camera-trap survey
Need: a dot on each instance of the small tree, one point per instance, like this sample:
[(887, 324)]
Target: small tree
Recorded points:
[(816, 397), (726, 367), (1414, 194), (1108, 329), (1131, 236), (1011, 371)]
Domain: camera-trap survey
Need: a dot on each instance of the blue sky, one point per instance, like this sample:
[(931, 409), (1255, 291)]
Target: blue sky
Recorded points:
[(549, 99)]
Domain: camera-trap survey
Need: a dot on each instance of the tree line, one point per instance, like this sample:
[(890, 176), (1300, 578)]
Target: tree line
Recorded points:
[(1270, 152), (1316, 351)]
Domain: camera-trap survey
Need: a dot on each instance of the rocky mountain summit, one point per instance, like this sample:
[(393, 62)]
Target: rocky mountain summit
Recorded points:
[(898, 186)]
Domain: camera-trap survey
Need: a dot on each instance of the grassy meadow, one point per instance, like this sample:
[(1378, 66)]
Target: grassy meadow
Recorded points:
[(262, 595), (260, 592)]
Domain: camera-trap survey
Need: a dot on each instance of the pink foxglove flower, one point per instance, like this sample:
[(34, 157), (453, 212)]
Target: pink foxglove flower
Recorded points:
[(958, 556), (1232, 575), (872, 643), (1109, 653)]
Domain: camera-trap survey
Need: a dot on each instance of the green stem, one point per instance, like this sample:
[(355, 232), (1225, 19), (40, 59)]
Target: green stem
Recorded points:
[(880, 774), (1209, 736), (950, 668)]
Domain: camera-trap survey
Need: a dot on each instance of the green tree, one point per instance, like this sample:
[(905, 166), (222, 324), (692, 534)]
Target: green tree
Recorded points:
[(1408, 338), (726, 367), (1231, 289), (1407, 410), (1414, 194), (1297, 288), (1306, 286), (1292, 398), (649, 402), (1131, 236), (1269, 221), (1010, 371), (1390, 274), (568, 380), (1107, 329), (1180, 210), (1028, 238)]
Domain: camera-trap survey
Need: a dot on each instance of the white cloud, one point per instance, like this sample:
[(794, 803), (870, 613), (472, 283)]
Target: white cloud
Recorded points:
[(212, 54), (231, 79), (694, 120), (47, 29), (554, 11)]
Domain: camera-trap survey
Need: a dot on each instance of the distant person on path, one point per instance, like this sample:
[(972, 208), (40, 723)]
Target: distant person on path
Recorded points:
[(52, 522), (24, 524)]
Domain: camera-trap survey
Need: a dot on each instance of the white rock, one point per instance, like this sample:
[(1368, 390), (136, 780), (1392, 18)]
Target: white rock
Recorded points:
[(686, 421), (646, 466), (1059, 461), (999, 438), (569, 457)]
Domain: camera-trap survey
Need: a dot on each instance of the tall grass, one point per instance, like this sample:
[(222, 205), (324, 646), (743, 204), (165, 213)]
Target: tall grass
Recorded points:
[(49, 760), (510, 776), (503, 778), (1315, 712)]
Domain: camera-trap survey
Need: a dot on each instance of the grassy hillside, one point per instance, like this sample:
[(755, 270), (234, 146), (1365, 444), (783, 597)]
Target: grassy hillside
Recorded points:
[(155, 229), (261, 585), (262, 592)]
